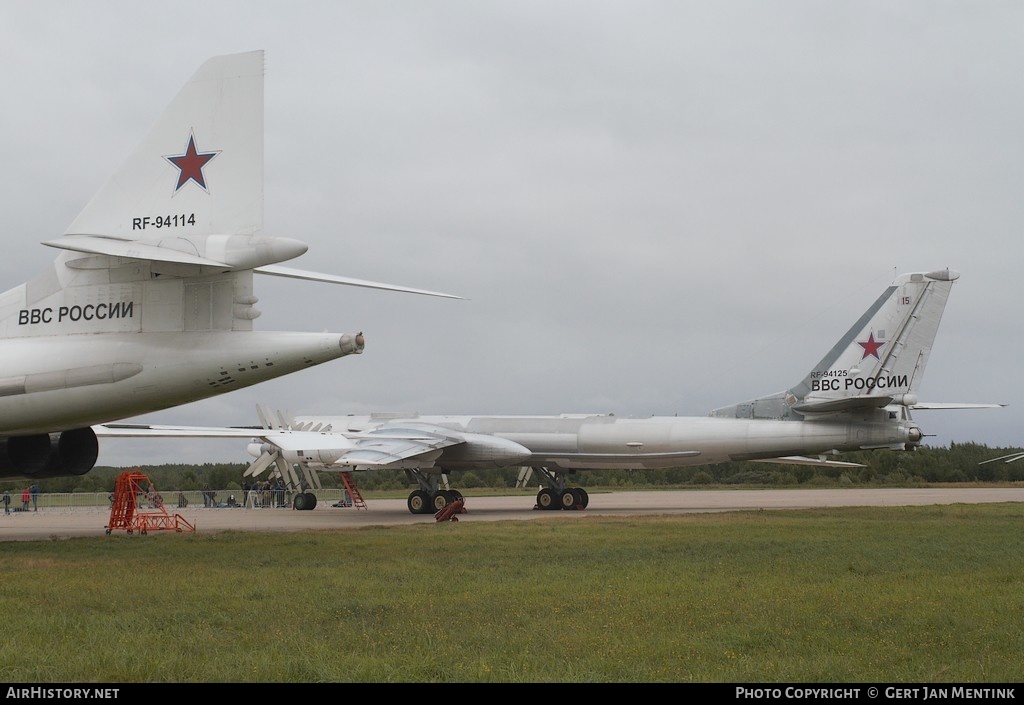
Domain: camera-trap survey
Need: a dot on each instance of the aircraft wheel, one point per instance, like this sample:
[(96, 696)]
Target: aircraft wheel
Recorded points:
[(584, 498), (441, 500), (300, 501), (568, 499), (419, 502), (310, 500), (546, 499)]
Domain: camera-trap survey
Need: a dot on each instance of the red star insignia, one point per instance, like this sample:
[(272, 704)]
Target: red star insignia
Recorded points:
[(871, 347), (190, 164)]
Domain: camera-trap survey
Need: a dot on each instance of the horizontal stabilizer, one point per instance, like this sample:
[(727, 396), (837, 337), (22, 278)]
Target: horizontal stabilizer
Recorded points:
[(955, 405), (114, 247), (844, 404), (334, 279), (878, 402)]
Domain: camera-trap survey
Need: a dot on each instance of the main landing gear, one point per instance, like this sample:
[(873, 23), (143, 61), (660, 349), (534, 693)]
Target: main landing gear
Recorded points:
[(567, 498), (431, 498), (425, 502), (556, 494), (304, 501)]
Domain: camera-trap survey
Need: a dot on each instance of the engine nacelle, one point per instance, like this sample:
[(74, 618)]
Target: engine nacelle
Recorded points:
[(325, 457), (914, 438), (481, 450), (42, 455)]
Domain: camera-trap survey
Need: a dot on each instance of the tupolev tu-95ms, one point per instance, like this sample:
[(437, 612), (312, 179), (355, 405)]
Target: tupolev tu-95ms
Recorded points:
[(859, 396)]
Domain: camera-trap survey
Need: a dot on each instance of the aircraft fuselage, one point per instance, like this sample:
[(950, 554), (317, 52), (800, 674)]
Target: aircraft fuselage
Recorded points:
[(67, 382), (612, 442)]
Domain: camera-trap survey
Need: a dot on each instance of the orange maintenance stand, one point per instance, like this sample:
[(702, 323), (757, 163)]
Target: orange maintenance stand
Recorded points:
[(126, 514)]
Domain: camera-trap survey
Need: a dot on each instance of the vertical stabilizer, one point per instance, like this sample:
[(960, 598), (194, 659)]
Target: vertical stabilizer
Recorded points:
[(879, 361), (883, 356), (199, 170)]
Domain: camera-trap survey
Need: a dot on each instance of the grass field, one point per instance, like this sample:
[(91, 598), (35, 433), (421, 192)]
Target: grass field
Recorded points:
[(906, 594)]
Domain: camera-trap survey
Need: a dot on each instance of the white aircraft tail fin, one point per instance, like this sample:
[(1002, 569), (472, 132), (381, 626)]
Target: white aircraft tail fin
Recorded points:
[(171, 242), (882, 358), (168, 244), (879, 361), (199, 170)]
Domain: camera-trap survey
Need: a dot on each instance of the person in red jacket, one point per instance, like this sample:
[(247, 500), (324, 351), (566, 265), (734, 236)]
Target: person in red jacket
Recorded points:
[(26, 498)]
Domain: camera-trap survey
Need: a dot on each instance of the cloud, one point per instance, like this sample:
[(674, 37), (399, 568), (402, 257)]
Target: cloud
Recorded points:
[(651, 208)]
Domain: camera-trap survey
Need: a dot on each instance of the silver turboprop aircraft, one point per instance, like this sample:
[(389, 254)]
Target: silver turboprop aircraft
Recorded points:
[(150, 302), (858, 397)]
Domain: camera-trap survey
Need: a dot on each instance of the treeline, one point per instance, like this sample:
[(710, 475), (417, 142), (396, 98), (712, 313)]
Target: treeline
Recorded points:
[(960, 462)]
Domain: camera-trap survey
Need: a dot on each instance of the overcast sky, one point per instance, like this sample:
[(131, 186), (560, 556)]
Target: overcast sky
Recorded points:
[(650, 207)]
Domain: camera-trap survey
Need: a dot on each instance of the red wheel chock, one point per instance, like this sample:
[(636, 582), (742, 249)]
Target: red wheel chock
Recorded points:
[(449, 511)]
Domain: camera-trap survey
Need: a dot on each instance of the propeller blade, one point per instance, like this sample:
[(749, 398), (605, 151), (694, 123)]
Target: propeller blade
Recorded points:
[(312, 478), (260, 464), (263, 418), (292, 478), (275, 469), (281, 465)]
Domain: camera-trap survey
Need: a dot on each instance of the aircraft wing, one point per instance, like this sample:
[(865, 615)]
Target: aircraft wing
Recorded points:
[(803, 460), (354, 450), (1004, 458), (324, 449), (612, 461), (136, 430)]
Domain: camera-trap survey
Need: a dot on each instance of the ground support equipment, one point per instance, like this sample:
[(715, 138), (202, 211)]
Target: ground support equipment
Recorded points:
[(450, 510), (126, 514)]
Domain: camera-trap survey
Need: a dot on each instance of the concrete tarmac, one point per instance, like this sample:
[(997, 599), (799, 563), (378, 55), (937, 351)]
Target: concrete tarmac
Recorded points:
[(55, 524)]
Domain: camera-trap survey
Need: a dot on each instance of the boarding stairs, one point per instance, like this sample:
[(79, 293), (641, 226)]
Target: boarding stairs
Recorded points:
[(126, 513), (350, 486)]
